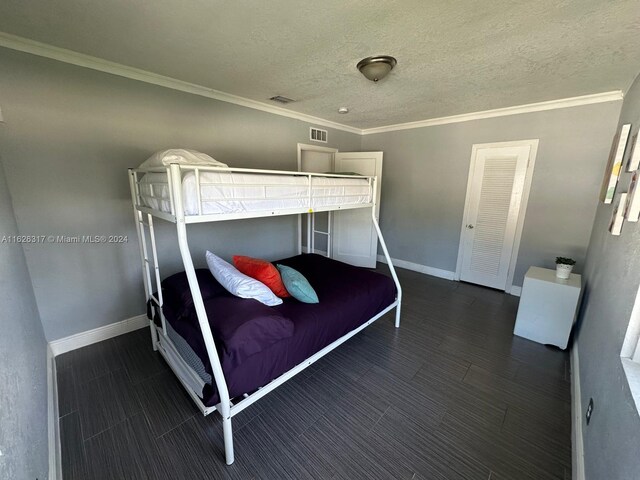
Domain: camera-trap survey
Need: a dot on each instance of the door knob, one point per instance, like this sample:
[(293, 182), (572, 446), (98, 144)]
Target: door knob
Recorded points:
[(469, 227)]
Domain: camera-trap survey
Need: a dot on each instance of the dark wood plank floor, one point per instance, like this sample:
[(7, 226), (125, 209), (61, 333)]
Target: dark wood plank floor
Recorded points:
[(452, 394)]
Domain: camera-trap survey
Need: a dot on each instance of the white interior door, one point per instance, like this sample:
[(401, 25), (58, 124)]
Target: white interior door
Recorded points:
[(493, 205), (354, 238), (316, 161)]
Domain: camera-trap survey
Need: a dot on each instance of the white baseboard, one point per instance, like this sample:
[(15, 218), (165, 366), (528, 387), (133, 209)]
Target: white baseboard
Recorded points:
[(416, 267), (435, 272), (577, 442), (53, 424), (82, 339), (515, 290), (315, 250)]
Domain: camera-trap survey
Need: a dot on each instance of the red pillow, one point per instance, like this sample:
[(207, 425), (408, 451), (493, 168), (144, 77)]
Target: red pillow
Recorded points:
[(262, 271)]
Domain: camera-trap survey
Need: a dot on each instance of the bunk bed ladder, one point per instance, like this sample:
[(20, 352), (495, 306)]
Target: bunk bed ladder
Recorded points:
[(159, 300), (142, 243), (311, 222), (148, 264)]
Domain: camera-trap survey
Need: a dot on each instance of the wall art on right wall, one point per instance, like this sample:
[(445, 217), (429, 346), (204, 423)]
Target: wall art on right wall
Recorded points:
[(614, 165), (632, 209), (617, 217), (634, 157)]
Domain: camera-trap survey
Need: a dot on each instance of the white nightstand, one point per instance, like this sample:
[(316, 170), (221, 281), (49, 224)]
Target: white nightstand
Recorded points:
[(547, 307)]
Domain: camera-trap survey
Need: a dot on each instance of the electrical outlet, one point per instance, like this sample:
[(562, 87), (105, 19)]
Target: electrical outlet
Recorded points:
[(589, 410)]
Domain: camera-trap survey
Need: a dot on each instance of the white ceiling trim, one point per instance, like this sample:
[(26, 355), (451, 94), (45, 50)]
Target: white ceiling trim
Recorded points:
[(33, 47), (22, 44), (612, 96)]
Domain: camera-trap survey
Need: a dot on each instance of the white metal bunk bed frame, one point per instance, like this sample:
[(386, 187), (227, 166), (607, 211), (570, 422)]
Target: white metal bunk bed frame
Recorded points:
[(162, 343)]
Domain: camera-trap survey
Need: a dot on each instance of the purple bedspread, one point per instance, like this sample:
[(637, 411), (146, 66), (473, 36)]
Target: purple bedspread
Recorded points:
[(349, 296)]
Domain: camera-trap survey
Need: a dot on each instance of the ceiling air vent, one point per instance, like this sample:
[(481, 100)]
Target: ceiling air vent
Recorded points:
[(281, 99), (318, 135)]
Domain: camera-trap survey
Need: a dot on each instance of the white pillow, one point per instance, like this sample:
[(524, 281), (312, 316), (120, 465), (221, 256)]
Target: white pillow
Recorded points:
[(183, 156), (239, 284)]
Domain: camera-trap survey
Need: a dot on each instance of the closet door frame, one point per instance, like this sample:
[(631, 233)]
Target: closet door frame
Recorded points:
[(533, 144)]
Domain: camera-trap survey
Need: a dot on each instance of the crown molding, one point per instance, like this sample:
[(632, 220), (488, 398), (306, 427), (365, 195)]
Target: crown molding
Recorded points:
[(33, 47), (612, 96), (26, 45)]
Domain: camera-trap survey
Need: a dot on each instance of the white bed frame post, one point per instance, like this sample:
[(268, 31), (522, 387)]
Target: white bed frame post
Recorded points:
[(386, 252), (224, 407)]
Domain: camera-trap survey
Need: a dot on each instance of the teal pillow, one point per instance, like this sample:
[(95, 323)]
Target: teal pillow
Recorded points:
[(297, 285)]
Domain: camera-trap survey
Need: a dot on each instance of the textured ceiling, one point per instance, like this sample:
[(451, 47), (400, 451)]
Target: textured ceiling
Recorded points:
[(453, 56)]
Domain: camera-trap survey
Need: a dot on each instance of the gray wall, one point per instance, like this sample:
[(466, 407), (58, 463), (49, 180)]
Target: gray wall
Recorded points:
[(70, 135), (425, 180), (612, 277), (23, 368)]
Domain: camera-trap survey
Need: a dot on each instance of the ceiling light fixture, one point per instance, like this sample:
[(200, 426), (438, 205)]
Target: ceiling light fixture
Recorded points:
[(376, 68), (343, 110)]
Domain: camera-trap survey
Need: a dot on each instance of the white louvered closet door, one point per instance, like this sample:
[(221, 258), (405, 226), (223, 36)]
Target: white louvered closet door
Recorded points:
[(493, 206)]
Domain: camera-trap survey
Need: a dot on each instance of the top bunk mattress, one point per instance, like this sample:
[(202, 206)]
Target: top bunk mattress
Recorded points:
[(228, 192)]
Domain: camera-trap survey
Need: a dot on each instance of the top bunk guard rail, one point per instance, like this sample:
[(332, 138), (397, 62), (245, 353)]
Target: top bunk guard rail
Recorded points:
[(307, 195)]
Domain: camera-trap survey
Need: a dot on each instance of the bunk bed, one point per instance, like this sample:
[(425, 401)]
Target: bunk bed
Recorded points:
[(190, 313)]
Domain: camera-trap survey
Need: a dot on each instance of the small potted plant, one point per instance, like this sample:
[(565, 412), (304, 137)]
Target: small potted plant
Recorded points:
[(564, 266)]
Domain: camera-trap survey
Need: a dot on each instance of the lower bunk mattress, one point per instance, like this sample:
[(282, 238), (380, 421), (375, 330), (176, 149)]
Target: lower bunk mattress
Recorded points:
[(257, 343)]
